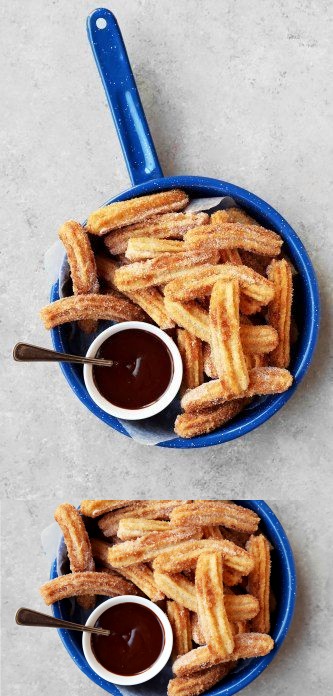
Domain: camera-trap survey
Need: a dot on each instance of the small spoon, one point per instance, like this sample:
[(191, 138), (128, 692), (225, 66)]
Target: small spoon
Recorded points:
[(29, 617), (25, 352)]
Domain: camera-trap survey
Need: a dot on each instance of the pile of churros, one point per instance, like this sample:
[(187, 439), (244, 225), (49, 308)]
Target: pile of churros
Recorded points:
[(205, 561), (219, 283)]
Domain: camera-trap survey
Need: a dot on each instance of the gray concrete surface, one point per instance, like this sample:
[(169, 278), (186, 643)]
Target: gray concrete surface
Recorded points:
[(236, 90)]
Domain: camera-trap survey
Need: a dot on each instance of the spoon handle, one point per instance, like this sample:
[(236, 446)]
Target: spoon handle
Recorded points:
[(25, 352), (29, 617)]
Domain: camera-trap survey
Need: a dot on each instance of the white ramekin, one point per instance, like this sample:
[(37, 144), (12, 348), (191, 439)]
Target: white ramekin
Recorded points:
[(146, 411), (135, 678)]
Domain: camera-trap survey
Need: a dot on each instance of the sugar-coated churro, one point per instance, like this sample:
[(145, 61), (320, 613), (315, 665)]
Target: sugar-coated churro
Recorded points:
[(77, 544), (190, 348), (149, 546), (198, 683), (95, 508), (152, 302), (246, 645), (191, 316), (89, 582), (230, 256), (80, 257), (177, 587), (197, 423), (142, 248), (263, 380), (168, 226), (259, 580), (232, 215), (241, 607), (216, 512), (235, 236), (197, 634), (212, 532), (279, 310), (135, 210), (79, 307), (163, 269), (180, 620), (134, 527), (227, 350), (151, 509), (106, 268), (140, 574), (198, 281), (211, 610), (185, 555)]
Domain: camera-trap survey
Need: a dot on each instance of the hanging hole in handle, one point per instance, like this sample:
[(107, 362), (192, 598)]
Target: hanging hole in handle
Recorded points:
[(101, 23)]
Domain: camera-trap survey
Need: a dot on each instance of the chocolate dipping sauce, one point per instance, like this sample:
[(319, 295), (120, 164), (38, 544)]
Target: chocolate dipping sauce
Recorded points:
[(135, 642), (142, 371)]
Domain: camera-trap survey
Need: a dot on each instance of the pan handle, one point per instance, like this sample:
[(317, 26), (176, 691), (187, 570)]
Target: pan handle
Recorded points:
[(122, 94)]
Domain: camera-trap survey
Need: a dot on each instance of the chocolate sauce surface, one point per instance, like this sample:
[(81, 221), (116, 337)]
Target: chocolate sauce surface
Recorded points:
[(135, 642), (142, 371)]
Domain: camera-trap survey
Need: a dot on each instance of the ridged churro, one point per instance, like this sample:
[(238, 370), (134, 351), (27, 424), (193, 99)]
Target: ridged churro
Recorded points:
[(211, 610), (216, 512), (227, 350), (198, 683), (150, 509), (142, 248), (135, 210), (180, 620), (191, 316), (184, 556), (230, 256), (177, 587), (197, 634), (147, 547), (90, 582), (152, 302), (262, 380), (168, 226), (80, 257), (246, 645), (95, 508), (199, 281), (259, 580), (140, 574), (163, 269), (77, 544), (235, 236), (279, 310), (232, 215), (190, 348), (134, 527), (79, 307)]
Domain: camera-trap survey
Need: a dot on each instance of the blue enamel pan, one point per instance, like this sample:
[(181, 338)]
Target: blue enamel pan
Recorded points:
[(283, 580), (147, 177)]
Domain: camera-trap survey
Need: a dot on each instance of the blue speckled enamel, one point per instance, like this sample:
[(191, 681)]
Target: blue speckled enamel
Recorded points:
[(143, 167), (285, 586)]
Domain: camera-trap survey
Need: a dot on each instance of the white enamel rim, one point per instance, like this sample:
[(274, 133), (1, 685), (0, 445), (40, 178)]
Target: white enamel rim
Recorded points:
[(167, 396), (119, 679)]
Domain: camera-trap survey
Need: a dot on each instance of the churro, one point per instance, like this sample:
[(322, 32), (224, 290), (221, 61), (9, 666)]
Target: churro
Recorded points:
[(147, 547), (198, 683), (152, 302), (194, 424), (190, 348), (230, 256), (216, 512), (232, 215), (178, 588), (89, 582), (198, 281), (246, 645), (279, 310), (191, 316), (197, 634), (168, 226), (134, 527), (135, 210), (79, 307), (262, 380), (180, 620), (142, 248), (161, 270), (95, 508), (227, 350), (235, 236), (106, 268), (211, 610), (77, 544), (151, 509), (184, 556), (259, 580), (80, 257)]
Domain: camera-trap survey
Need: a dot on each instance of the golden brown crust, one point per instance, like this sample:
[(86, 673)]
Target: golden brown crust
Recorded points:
[(152, 302), (177, 587), (198, 683), (279, 310), (79, 307), (263, 380), (151, 509), (134, 527), (185, 555), (135, 210), (148, 546), (95, 508), (232, 215), (216, 512), (142, 248), (170, 225), (90, 582), (191, 316), (80, 257), (259, 581), (247, 645), (163, 269), (180, 620), (211, 610), (190, 348), (77, 543), (235, 236)]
